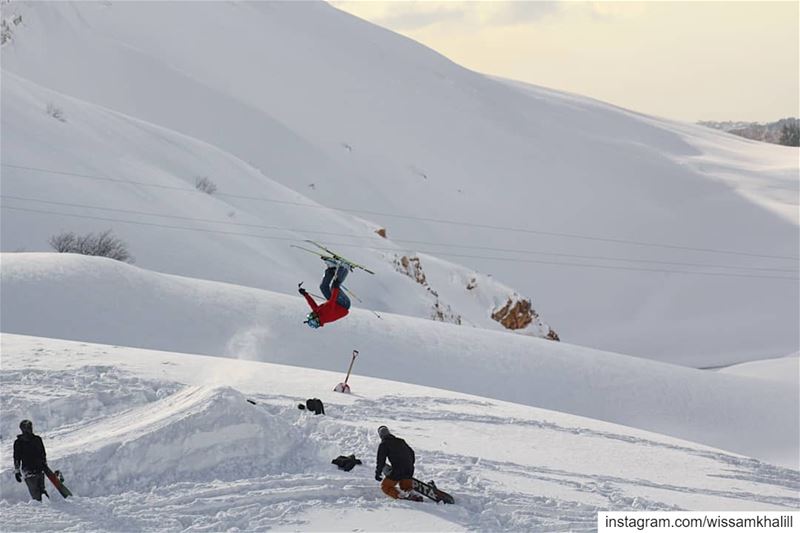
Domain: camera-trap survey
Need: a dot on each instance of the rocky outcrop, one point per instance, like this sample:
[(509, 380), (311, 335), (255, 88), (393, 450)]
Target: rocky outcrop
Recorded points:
[(6, 27), (515, 314), (411, 267), (444, 313), (518, 313)]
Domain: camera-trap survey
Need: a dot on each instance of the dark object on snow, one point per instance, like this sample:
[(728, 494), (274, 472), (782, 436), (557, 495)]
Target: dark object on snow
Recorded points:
[(402, 458), (399, 454), (346, 462), (30, 460), (314, 405), (250, 401)]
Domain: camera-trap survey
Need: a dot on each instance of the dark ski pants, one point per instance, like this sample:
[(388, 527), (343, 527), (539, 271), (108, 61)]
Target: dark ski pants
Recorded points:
[(342, 300), (35, 483)]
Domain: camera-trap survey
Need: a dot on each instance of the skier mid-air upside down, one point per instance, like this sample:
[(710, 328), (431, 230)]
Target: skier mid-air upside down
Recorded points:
[(337, 304)]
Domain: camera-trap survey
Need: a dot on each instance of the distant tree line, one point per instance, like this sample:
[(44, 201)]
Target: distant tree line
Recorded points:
[(785, 131), (790, 134)]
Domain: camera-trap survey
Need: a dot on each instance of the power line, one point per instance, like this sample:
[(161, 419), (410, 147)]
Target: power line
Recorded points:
[(608, 267), (596, 257), (179, 217), (362, 237), (582, 265), (153, 224), (411, 217)]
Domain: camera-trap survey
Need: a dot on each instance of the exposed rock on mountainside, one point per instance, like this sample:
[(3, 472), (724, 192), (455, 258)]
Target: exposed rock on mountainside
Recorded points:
[(444, 313), (411, 267), (7, 27), (518, 313)]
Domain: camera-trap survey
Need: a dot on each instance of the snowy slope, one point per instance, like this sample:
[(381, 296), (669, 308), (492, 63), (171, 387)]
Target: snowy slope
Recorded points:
[(101, 300), (147, 178), (185, 451), (352, 116), (783, 369)]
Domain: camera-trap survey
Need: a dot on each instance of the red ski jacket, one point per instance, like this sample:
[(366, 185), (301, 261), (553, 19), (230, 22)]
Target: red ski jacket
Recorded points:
[(328, 311)]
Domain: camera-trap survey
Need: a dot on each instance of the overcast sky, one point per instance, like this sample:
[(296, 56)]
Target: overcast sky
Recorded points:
[(683, 60)]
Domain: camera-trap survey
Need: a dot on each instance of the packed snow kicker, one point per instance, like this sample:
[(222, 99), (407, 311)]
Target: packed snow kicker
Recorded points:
[(165, 385)]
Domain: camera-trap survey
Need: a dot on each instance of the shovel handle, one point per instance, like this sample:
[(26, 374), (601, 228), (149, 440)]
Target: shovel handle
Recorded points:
[(353, 360)]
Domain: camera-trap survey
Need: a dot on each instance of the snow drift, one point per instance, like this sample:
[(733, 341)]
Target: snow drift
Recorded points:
[(195, 434)]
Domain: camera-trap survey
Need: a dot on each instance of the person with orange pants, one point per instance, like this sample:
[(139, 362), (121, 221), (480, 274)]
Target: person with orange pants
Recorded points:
[(401, 456)]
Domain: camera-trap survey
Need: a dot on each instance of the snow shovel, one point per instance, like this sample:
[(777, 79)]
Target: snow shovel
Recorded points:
[(344, 387)]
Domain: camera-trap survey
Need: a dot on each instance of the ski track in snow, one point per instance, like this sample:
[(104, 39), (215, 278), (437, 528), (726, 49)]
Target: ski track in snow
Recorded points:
[(292, 478)]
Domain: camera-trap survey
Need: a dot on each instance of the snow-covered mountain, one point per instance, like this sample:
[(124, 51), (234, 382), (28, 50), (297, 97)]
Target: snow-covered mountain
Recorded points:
[(321, 125), (133, 431), (226, 235), (210, 137)]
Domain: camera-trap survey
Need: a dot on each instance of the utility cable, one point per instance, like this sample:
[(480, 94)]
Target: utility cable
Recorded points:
[(607, 267), (428, 243), (411, 217)]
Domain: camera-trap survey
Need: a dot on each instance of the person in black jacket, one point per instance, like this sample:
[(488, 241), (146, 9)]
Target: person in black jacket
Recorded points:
[(30, 460), (402, 458)]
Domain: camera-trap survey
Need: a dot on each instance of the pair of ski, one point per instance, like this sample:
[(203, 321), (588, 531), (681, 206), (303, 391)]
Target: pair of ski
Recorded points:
[(327, 254)]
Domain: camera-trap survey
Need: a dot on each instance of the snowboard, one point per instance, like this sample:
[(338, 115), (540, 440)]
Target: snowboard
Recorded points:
[(430, 490), (58, 481)]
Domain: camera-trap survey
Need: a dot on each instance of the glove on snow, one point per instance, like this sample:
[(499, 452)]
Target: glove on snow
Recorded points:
[(300, 288), (18, 477)]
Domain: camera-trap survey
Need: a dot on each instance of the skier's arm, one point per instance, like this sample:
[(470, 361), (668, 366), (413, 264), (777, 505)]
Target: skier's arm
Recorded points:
[(44, 453), (311, 302), (381, 461), (17, 453)]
